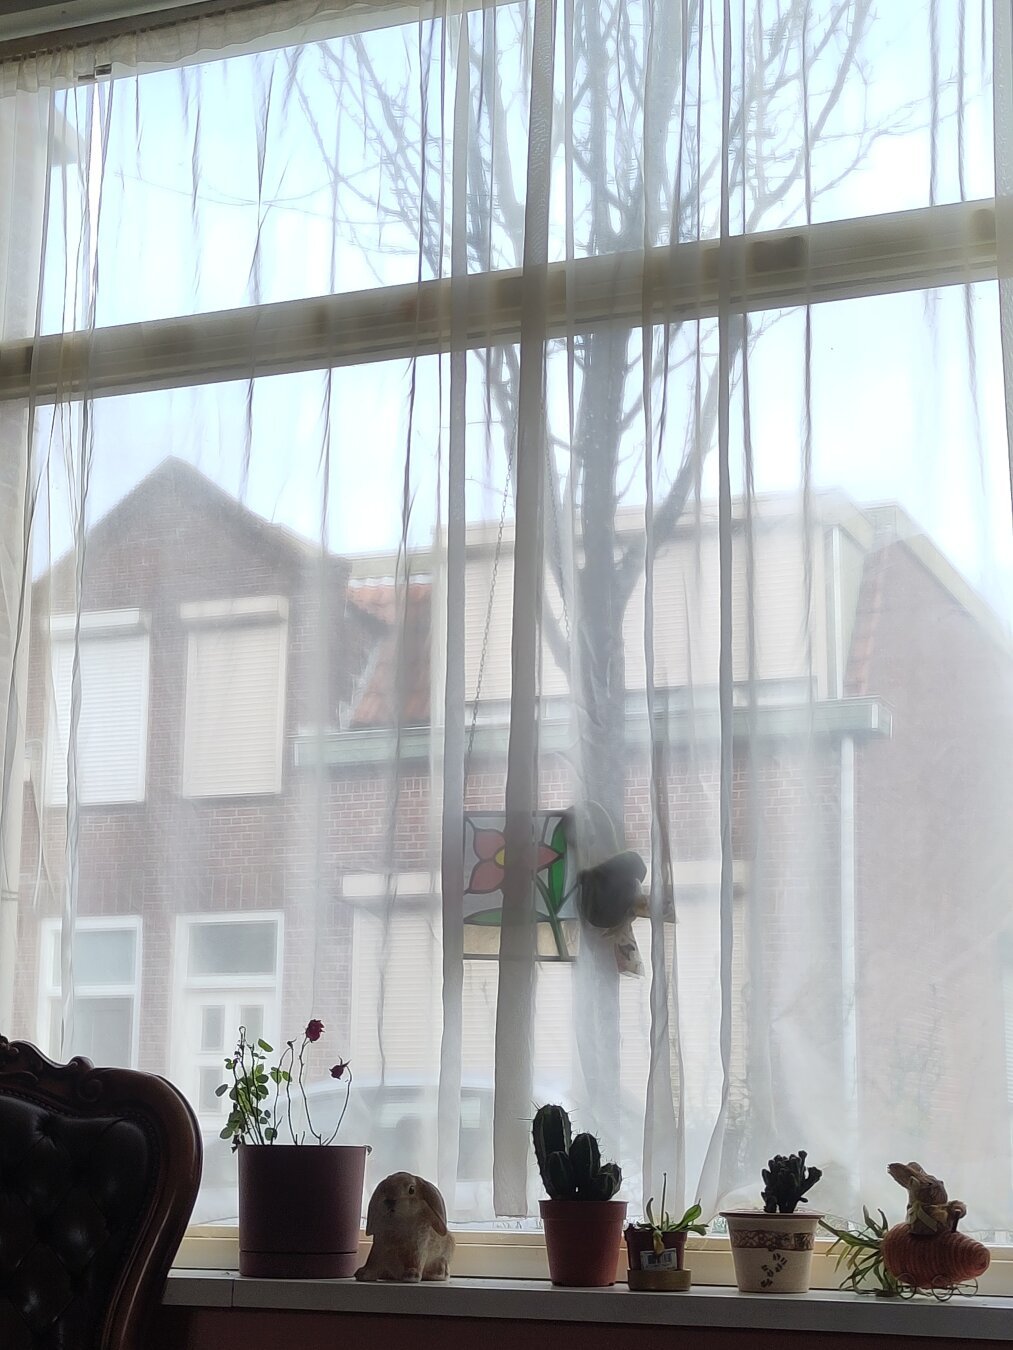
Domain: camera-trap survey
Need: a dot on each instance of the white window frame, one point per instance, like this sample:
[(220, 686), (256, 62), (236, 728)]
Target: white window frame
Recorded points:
[(863, 256), (49, 942), (919, 249), (182, 1054)]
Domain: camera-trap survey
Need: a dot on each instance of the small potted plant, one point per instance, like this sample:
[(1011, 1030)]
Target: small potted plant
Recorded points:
[(656, 1247), (772, 1250), (583, 1223), (300, 1194)]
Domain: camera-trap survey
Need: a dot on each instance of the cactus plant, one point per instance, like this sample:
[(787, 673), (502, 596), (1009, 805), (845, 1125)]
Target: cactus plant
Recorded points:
[(785, 1182), (571, 1165)]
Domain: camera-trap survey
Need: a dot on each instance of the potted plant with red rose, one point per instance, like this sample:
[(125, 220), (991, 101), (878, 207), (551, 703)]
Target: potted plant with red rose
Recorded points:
[(656, 1247), (582, 1222), (300, 1193)]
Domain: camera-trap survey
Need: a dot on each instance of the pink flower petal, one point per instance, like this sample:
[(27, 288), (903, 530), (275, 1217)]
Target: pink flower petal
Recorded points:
[(486, 877)]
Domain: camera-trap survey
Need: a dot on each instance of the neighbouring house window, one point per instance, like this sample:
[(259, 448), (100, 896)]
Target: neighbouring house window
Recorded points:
[(112, 724), (227, 975), (235, 698), (106, 964)]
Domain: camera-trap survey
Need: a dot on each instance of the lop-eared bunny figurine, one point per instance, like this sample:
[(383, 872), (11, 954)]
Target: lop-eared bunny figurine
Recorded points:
[(408, 1223)]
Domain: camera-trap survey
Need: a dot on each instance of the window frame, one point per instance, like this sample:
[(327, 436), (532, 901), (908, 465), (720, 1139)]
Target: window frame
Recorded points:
[(864, 256), (185, 988), (49, 938)]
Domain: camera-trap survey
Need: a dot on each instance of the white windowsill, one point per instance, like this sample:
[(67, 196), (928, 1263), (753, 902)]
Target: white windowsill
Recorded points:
[(980, 1318)]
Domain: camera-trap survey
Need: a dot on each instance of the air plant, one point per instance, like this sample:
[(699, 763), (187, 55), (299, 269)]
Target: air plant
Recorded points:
[(860, 1251)]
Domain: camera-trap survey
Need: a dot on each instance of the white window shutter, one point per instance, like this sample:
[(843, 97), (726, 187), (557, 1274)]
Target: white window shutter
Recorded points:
[(112, 730), (397, 1011), (235, 708)]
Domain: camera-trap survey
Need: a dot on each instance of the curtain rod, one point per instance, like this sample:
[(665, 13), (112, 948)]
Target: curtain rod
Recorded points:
[(158, 18), (368, 13), (88, 34)]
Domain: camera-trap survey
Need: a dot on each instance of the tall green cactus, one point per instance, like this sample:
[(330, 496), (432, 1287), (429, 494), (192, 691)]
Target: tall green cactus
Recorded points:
[(571, 1166)]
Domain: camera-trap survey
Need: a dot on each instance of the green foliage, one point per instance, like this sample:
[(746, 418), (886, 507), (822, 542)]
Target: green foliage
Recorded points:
[(786, 1180), (860, 1251), (571, 1166), (663, 1222), (585, 1158), (551, 1133), (261, 1095), (560, 1184)]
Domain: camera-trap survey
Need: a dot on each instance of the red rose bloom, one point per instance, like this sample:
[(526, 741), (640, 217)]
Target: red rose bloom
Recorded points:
[(339, 1070), (314, 1029)]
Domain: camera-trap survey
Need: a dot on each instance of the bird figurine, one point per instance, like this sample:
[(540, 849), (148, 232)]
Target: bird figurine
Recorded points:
[(610, 893)]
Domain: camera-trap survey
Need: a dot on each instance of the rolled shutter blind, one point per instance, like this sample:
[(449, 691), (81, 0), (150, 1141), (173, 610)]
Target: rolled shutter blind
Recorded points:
[(113, 724), (232, 744), (397, 1016)]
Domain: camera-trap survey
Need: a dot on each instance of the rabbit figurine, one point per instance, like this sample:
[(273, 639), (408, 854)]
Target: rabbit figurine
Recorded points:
[(407, 1220)]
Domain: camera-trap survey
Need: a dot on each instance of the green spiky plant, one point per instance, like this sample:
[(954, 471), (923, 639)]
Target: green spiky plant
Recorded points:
[(571, 1165), (663, 1223), (860, 1251)]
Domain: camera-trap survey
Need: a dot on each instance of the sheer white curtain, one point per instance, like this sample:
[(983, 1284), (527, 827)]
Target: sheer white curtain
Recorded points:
[(444, 450)]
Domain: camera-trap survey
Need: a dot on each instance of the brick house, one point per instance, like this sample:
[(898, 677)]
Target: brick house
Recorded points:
[(236, 770)]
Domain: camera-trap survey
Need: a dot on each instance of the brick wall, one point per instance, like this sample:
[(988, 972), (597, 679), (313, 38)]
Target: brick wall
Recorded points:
[(934, 864)]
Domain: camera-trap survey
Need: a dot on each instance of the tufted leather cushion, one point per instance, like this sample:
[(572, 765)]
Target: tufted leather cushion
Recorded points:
[(72, 1193)]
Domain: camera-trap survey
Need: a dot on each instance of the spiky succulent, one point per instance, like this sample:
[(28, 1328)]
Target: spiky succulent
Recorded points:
[(785, 1182), (571, 1165)]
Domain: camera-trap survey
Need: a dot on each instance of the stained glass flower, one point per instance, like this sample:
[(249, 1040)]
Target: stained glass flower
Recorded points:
[(489, 872)]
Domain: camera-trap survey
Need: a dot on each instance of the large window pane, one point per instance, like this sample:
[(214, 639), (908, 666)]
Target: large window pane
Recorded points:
[(239, 194)]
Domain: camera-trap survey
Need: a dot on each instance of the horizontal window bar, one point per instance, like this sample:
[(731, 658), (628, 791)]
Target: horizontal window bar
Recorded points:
[(909, 250), (830, 719)]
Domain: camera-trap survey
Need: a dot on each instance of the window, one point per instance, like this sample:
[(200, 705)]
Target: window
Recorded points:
[(655, 468), (112, 728), (235, 699), (227, 974), (106, 960)]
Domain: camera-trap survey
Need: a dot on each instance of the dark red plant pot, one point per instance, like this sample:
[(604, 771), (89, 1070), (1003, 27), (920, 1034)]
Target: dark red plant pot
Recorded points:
[(638, 1242), (582, 1239), (300, 1207)]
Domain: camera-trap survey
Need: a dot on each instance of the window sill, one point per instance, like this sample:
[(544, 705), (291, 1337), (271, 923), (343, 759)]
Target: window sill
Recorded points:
[(982, 1318)]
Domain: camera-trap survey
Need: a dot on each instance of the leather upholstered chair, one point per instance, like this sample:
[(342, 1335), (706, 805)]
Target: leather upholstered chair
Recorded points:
[(99, 1170)]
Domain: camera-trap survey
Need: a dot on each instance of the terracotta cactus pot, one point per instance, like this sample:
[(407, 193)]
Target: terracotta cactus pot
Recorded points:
[(300, 1209), (582, 1240)]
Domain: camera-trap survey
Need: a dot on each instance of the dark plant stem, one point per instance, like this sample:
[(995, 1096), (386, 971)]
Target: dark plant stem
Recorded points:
[(302, 1090), (348, 1092), (244, 1100), (288, 1097)]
